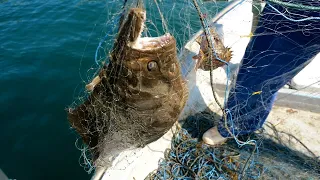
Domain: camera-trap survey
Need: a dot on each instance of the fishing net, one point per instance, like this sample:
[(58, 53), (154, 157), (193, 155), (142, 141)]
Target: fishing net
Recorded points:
[(190, 158), (235, 90)]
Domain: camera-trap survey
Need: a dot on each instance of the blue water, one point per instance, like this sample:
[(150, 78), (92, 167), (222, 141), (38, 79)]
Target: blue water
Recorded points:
[(41, 47), (46, 49)]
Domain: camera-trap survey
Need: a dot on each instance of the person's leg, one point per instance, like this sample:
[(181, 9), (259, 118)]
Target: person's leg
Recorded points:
[(279, 50)]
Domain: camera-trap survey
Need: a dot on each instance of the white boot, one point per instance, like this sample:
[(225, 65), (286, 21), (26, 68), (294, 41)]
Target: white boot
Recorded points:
[(213, 137)]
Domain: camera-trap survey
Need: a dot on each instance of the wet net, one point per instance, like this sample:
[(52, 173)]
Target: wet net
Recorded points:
[(205, 64)]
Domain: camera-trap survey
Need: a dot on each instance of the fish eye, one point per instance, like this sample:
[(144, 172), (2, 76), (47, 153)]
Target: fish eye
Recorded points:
[(152, 65)]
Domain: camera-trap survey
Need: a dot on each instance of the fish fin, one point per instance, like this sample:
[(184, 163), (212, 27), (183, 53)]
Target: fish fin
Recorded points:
[(94, 82)]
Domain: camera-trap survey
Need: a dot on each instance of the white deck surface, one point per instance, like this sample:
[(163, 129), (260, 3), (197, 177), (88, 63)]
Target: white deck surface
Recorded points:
[(309, 78)]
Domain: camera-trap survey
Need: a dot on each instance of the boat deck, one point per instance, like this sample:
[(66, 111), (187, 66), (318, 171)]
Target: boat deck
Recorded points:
[(303, 125)]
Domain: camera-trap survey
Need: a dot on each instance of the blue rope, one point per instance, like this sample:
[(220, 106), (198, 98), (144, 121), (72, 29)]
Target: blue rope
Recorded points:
[(114, 21), (290, 19), (296, 6), (111, 31), (189, 159), (227, 83)]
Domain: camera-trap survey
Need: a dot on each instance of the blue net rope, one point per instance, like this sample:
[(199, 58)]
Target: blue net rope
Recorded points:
[(189, 158)]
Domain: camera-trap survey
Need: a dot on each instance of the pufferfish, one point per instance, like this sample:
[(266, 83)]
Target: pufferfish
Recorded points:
[(223, 53), (137, 96)]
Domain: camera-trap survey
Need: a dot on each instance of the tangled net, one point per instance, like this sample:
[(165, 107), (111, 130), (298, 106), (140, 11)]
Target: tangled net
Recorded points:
[(190, 158), (247, 157)]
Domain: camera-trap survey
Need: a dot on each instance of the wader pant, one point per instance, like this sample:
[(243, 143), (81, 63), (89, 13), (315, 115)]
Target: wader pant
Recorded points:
[(279, 50)]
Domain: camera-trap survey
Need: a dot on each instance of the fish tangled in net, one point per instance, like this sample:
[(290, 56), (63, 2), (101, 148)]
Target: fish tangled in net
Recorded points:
[(136, 98), (222, 52)]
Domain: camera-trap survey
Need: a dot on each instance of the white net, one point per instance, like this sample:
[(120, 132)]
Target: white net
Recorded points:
[(247, 52)]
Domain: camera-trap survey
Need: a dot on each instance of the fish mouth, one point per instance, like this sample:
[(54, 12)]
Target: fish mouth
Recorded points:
[(152, 43), (145, 43)]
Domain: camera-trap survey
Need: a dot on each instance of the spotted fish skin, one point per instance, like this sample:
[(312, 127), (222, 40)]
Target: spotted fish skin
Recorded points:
[(140, 93), (222, 52)]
